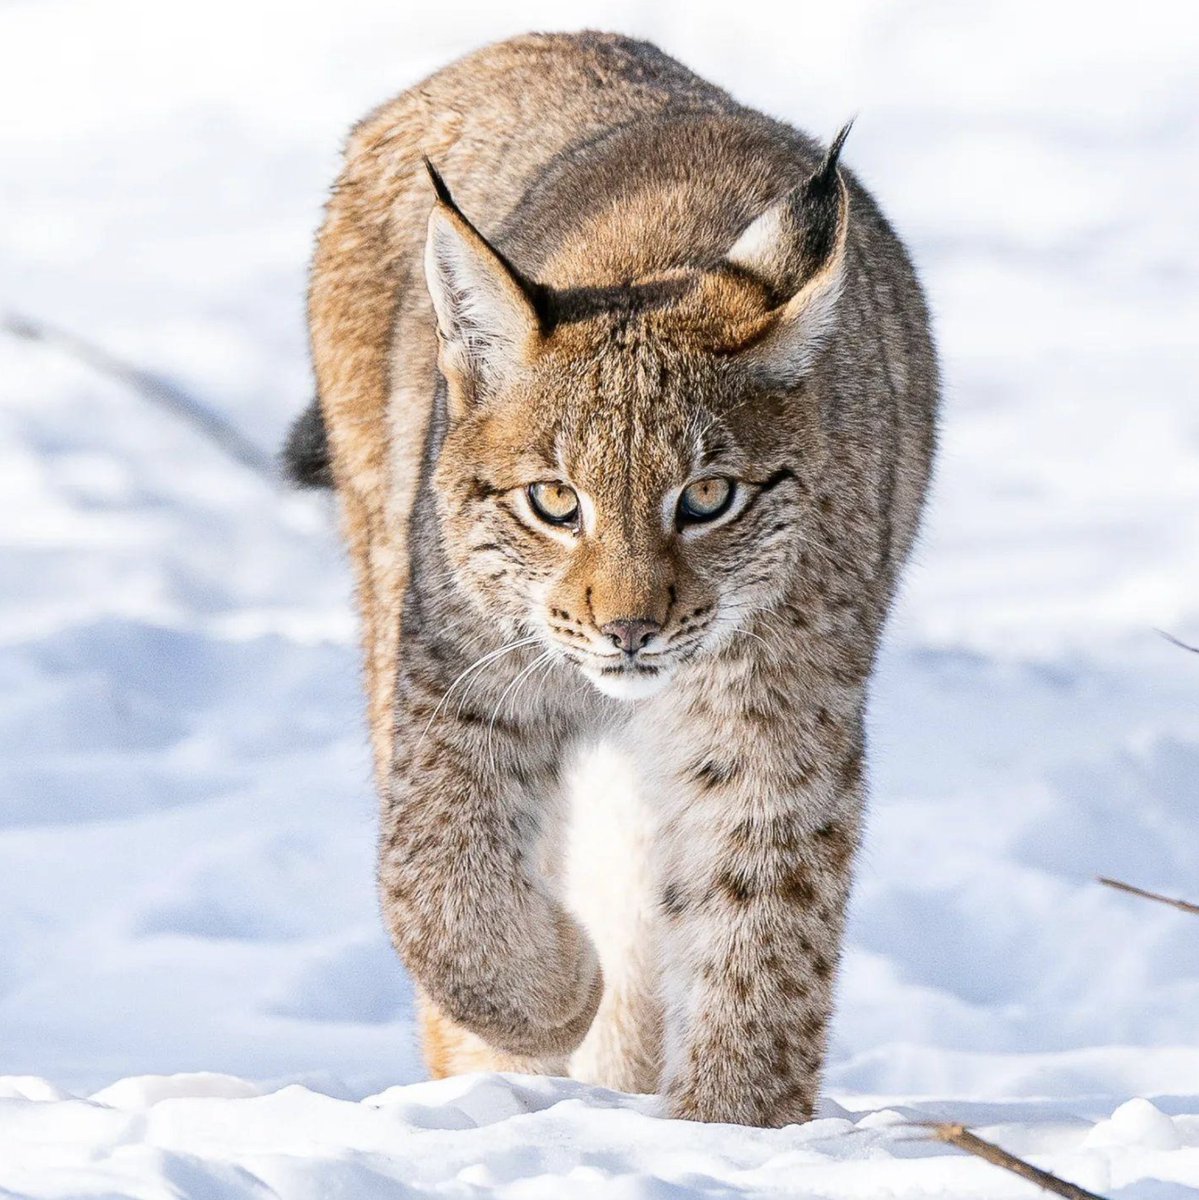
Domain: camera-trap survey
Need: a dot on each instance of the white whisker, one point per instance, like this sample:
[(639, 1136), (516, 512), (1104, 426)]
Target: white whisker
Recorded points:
[(481, 661), (495, 712)]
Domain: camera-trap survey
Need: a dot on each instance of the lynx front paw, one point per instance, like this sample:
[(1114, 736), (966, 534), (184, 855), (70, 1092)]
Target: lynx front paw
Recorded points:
[(741, 1110), (557, 1003), (533, 1005), (728, 1104)]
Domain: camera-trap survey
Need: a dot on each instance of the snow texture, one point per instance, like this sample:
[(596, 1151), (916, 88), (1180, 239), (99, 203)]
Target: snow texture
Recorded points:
[(186, 819)]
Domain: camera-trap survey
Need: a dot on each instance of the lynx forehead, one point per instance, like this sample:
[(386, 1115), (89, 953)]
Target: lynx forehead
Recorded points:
[(629, 398)]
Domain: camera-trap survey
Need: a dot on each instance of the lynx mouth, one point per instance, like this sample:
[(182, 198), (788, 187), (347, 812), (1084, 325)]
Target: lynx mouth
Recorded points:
[(631, 681)]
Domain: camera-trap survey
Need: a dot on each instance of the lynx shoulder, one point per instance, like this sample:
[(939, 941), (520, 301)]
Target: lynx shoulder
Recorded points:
[(628, 396)]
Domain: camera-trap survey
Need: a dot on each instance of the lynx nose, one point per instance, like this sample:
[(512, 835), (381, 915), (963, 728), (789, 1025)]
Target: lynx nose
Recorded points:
[(630, 633)]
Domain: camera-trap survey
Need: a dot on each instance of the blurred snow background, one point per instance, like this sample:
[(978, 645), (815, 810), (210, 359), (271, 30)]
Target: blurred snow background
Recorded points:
[(186, 822)]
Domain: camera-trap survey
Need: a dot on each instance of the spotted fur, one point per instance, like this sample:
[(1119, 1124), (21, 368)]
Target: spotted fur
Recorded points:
[(612, 275)]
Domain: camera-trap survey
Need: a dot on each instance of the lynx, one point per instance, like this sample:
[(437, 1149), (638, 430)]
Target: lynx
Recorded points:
[(628, 396)]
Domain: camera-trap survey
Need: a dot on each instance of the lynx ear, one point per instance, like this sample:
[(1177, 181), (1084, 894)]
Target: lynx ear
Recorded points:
[(797, 249), (485, 311)]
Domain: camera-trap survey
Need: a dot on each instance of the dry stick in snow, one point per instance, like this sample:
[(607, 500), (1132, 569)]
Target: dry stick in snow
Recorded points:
[(1184, 905), (154, 388), (960, 1136), (1179, 642)]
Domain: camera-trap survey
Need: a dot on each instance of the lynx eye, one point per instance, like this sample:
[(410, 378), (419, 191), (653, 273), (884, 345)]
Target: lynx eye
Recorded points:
[(705, 500), (554, 503)]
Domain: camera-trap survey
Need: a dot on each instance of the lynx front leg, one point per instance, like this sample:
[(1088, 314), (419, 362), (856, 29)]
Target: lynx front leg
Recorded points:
[(463, 894), (756, 870)]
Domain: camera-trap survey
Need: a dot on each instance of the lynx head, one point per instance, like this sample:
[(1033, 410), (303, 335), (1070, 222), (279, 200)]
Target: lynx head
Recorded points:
[(622, 474)]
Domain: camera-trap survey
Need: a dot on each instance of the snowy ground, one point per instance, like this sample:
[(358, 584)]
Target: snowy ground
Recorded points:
[(214, 1137), (185, 815)]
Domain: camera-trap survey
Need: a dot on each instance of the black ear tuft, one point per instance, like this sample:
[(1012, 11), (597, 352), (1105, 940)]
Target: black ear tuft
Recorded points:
[(443, 192), (819, 210), (829, 166), (822, 183), (306, 459)]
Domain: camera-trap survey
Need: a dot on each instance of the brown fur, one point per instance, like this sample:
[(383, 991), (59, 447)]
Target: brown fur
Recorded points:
[(634, 284)]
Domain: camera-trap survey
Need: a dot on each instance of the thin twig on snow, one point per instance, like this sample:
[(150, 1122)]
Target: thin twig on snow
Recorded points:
[(155, 388), (963, 1139), (1179, 642), (1120, 886)]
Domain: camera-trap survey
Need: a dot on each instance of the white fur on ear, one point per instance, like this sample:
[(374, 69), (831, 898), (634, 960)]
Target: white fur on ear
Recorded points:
[(484, 316), (802, 325), (760, 248)]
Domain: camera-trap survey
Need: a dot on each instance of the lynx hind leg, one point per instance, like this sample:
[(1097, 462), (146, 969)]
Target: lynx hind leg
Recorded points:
[(609, 889), (449, 1049)]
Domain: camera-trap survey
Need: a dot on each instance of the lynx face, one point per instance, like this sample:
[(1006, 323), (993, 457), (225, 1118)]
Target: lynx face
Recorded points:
[(613, 480), (609, 502)]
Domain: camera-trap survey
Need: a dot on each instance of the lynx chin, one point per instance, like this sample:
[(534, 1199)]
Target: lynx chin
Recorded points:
[(628, 397)]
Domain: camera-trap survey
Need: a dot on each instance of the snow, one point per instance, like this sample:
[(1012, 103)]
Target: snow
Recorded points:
[(196, 995), (478, 1135)]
